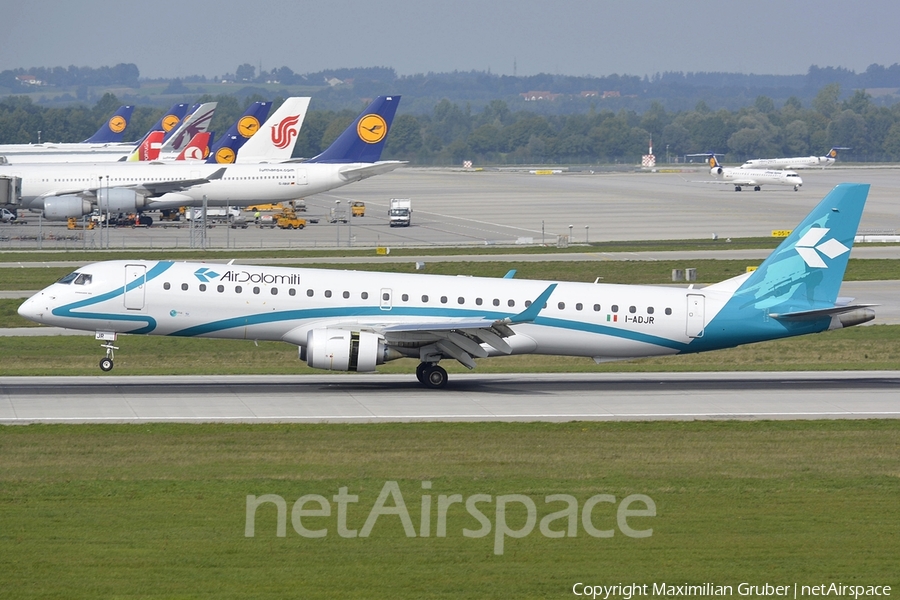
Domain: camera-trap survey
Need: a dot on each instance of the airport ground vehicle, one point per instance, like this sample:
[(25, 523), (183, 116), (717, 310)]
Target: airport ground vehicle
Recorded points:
[(358, 209), (400, 213), (214, 213), (288, 219), (73, 223), (7, 216)]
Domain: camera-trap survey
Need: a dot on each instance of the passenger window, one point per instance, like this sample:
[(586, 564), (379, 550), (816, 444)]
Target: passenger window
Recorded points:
[(405, 297), (424, 297), (511, 303), (478, 301), (274, 291), (649, 310), (365, 295), (346, 295), (561, 305), (202, 287), (579, 306), (632, 309), (167, 285), (443, 299), (238, 289), (256, 290), (292, 292), (220, 288), (184, 286), (496, 302), (596, 308), (328, 293), (668, 311), (385, 296), (309, 293), (527, 303), (460, 300)]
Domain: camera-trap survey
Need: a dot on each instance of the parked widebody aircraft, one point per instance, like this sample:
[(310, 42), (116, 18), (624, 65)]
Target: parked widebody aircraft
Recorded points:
[(797, 162), (755, 178), (354, 321), (89, 152), (106, 140), (64, 191)]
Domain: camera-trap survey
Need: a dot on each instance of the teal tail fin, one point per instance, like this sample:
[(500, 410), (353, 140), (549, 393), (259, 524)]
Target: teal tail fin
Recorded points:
[(805, 272)]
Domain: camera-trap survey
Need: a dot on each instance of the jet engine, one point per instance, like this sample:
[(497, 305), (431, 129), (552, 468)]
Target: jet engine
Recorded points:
[(119, 200), (60, 208), (716, 171), (343, 350)]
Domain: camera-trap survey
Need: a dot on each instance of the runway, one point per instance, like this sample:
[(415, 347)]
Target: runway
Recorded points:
[(471, 397)]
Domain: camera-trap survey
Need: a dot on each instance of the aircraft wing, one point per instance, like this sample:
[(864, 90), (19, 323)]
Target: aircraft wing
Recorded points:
[(149, 189), (459, 338), (358, 171)]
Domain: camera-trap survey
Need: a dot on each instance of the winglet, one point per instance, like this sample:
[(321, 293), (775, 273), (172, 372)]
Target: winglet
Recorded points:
[(510, 274), (530, 314)]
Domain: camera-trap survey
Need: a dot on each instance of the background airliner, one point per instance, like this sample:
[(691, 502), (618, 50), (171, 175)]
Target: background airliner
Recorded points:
[(797, 162), (354, 321), (755, 178), (73, 190)]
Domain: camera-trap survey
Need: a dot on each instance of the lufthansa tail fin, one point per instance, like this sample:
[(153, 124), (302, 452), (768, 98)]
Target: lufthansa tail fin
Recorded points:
[(226, 149), (364, 140), (113, 131), (805, 272), (169, 121)]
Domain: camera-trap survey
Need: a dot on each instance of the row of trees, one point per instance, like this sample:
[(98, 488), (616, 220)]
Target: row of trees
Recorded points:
[(451, 133)]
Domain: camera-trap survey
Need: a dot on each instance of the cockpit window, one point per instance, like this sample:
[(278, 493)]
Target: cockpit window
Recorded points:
[(83, 279), (69, 278)]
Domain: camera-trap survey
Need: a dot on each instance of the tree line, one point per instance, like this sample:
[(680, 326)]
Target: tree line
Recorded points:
[(452, 133)]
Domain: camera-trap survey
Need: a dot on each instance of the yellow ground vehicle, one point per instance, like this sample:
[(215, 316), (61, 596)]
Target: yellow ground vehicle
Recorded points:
[(74, 224), (288, 219), (358, 209), (262, 207)]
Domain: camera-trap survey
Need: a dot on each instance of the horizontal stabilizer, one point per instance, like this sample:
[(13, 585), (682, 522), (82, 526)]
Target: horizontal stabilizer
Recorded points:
[(809, 315)]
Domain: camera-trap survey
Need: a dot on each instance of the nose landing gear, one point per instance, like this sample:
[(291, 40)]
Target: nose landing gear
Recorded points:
[(106, 363)]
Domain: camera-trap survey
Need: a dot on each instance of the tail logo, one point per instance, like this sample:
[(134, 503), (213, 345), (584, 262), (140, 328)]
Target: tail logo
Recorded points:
[(194, 153), (169, 122), (371, 128), (247, 126), (117, 124), (811, 251), (712, 161), (225, 155), (833, 153), (284, 133)]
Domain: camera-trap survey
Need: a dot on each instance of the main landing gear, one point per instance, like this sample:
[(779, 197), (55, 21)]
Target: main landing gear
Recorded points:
[(431, 375)]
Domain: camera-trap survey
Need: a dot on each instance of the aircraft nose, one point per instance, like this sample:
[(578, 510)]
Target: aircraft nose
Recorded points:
[(31, 309)]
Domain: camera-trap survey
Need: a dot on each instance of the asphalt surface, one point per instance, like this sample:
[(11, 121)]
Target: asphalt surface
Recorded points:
[(471, 397)]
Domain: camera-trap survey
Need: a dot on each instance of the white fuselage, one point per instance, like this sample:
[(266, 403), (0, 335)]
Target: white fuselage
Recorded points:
[(240, 185), (602, 321), (799, 162), (756, 178), (16, 154)]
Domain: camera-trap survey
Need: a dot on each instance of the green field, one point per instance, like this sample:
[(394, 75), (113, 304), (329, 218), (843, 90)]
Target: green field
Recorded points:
[(159, 511)]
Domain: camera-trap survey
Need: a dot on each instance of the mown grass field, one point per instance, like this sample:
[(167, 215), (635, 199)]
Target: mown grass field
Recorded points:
[(159, 511)]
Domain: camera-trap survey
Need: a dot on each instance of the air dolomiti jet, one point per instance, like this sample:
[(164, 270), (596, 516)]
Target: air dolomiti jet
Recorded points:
[(797, 162), (354, 321), (756, 178), (64, 191)]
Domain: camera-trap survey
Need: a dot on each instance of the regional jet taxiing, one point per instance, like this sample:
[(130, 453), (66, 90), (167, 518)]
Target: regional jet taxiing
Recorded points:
[(354, 321), (755, 178), (796, 162)]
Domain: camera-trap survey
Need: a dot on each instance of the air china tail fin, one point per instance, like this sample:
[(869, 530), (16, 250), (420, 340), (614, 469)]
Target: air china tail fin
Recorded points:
[(364, 140), (148, 148), (197, 149), (276, 138), (225, 151), (197, 120), (113, 130)]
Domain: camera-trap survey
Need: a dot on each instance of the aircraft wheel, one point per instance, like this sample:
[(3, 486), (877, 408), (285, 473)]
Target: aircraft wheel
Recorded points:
[(796, 188), (435, 377), (757, 188), (420, 371), (106, 364), (737, 188)]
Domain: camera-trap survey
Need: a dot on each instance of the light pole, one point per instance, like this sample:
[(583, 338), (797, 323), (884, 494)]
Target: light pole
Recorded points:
[(667, 154), (570, 234), (337, 221), (586, 234)]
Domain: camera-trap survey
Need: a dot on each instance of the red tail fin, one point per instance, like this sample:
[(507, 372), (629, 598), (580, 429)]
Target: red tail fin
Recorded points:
[(197, 149), (149, 149)]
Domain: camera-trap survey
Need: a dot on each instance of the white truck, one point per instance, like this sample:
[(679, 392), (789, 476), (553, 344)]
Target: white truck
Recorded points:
[(400, 213), (213, 213)]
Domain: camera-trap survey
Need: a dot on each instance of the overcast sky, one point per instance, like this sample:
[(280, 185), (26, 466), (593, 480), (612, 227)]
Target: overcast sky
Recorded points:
[(567, 37)]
